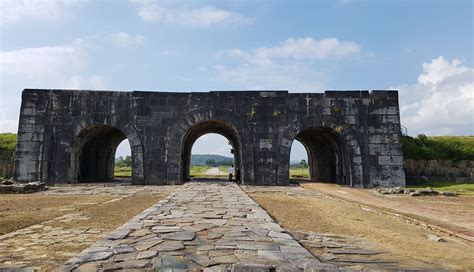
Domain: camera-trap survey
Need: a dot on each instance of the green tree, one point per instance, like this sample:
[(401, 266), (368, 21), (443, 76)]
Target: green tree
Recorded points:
[(211, 162), (303, 165), (124, 162)]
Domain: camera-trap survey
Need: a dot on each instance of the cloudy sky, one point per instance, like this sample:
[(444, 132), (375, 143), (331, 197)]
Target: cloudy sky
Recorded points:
[(422, 48)]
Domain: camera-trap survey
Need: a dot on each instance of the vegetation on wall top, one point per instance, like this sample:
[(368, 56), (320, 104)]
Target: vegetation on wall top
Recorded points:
[(7, 141), (438, 147)]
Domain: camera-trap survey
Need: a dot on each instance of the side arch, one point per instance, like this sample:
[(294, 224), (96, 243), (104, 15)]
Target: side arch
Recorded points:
[(93, 125), (326, 139), (211, 120)]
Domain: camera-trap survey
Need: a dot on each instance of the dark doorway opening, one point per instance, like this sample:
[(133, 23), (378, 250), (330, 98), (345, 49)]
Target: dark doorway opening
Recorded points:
[(93, 154), (326, 155)]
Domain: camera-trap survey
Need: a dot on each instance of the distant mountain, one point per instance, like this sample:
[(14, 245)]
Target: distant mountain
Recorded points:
[(200, 159)]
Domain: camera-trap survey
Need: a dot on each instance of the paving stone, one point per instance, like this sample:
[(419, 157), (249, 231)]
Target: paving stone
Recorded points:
[(145, 245), (165, 229), (179, 236), (93, 256), (169, 246), (207, 225), (146, 254), (248, 267), (169, 263), (118, 234), (123, 249)]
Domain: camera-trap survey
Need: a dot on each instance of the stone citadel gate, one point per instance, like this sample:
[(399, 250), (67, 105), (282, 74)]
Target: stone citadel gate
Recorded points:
[(70, 136)]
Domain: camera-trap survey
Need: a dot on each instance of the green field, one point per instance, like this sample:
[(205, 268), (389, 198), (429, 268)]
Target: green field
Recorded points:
[(197, 171), (122, 172), (459, 188), (299, 172)]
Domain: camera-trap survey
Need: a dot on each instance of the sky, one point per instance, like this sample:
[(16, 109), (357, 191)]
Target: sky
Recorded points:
[(423, 49)]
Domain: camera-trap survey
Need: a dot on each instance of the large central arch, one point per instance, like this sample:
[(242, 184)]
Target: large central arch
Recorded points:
[(205, 120), (205, 127)]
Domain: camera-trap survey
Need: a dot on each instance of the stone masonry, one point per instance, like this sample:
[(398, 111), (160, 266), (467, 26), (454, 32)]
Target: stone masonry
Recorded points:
[(208, 225), (70, 136)]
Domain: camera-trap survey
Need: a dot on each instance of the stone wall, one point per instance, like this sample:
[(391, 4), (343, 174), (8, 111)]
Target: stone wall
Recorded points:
[(417, 171), (358, 134), (6, 163)]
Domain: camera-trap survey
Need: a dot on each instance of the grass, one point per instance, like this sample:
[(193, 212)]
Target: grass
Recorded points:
[(459, 188), (438, 147), (299, 172), (197, 171), (123, 172)]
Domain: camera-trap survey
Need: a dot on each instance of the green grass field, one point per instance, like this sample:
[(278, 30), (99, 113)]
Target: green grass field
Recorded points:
[(298, 172), (197, 171), (459, 188), (122, 172)]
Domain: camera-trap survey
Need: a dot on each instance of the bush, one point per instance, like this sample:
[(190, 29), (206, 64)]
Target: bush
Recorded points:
[(8, 141), (438, 148)]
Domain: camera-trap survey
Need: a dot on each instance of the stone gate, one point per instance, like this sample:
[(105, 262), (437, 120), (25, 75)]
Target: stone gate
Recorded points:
[(70, 136)]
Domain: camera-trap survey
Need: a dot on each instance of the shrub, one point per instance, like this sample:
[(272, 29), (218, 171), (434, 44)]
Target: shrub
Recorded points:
[(438, 147), (7, 141)]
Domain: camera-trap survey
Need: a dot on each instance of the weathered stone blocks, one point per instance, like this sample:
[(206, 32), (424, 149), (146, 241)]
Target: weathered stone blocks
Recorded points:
[(352, 137)]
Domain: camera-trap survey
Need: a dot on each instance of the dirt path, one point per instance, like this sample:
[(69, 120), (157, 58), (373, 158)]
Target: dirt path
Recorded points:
[(403, 244), (453, 213), (43, 230)]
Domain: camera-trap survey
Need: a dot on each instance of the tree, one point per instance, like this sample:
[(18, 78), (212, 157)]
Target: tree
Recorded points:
[(211, 162), (124, 162), (303, 165)]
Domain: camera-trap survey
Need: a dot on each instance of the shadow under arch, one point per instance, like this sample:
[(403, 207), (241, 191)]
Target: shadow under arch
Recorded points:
[(332, 148), (92, 152), (205, 120), (327, 158)]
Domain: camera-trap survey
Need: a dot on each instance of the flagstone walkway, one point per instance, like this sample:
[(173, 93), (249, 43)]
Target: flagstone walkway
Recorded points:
[(214, 226)]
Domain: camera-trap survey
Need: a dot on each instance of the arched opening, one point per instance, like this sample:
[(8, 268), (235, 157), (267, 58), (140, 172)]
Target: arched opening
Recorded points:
[(123, 161), (211, 156), (93, 154), (207, 127), (298, 161), (326, 155)]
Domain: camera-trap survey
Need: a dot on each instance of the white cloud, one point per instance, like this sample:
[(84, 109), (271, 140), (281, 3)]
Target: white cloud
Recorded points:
[(300, 49), (61, 66), (442, 101), (16, 11), (124, 39), (155, 11), (288, 65)]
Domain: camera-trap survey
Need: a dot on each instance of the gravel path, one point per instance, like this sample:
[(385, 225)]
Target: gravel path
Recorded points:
[(214, 226)]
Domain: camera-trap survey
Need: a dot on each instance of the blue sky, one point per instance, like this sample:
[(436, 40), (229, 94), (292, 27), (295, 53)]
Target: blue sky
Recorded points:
[(422, 48)]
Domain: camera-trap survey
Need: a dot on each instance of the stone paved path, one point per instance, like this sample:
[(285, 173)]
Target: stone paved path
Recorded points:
[(214, 226)]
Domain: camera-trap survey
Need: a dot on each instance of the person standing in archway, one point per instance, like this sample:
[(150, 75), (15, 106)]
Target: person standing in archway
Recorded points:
[(231, 172)]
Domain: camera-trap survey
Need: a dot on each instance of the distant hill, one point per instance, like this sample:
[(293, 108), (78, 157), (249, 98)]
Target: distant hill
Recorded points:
[(200, 159)]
